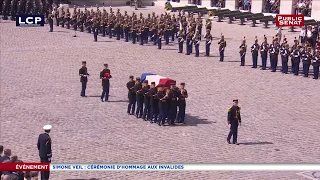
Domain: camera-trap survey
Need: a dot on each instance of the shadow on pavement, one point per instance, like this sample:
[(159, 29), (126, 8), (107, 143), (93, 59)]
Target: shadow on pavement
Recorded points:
[(256, 143), (195, 120)]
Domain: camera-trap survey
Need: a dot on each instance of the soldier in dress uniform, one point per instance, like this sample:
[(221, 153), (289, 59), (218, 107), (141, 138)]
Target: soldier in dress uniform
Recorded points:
[(83, 73), (14, 7), (189, 41), (181, 40), (146, 101), (160, 34), (6, 9), (126, 31), (163, 96), (255, 53), (285, 52), (173, 103), (273, 54), (315, 64), (154, 107), (234, 119), (183, 94), (50, 21), (133, 33), (56, 15), (44, 147), (105, 76), (222, 45), (306, 57), (196, 41), (166, 35), (243, 50), (295, 54), (296, 43), (264, 48), (131, 96), (95, 29), (68, 18), (139, 98), (208, 37)]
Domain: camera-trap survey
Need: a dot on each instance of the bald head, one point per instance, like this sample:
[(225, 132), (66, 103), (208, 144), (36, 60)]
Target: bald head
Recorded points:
[(7, 152)]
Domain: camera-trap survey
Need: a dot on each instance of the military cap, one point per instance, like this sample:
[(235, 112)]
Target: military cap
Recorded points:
[(145, 81), (47, 127), (131, 77), (137, 78), (153, 83), (105, 64), (236, 100), (84, 62), (182, 84)]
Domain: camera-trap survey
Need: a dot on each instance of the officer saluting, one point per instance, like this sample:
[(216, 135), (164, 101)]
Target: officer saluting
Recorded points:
[(83, 73), (44, 147), (234, 119)]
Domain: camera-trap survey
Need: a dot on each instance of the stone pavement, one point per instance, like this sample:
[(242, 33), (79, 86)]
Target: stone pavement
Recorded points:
[(40, 85)]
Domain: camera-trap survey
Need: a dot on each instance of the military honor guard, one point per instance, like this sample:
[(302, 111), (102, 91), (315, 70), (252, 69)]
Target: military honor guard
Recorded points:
[(189, 42), (234, 120), (181, 39), (274, 52), (105, 76), (264, 48), (95, 30), (160, 34), (208, 38), (45, 152), (50, 21), (316, 64), (243, 50), (131, 96), (172, 103), (83, 73), (306, 57), (222, 45), (255, 53), (285, 53), (293, 48), (196, 40), (296, 55), (183, 94)]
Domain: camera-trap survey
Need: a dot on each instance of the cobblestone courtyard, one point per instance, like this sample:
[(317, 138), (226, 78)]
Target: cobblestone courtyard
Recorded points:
[(40, 85)]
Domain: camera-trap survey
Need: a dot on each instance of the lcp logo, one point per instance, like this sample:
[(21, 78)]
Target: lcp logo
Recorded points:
[(29, 20)]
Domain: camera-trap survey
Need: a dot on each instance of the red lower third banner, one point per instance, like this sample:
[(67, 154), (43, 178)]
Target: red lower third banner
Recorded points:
[(24, 166)]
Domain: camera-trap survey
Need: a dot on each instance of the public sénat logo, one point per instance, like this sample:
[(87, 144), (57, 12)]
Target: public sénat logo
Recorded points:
[(283, 20), (30, 20)]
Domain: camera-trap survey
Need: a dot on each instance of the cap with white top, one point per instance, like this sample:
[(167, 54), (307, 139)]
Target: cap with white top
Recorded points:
[(47, 127)]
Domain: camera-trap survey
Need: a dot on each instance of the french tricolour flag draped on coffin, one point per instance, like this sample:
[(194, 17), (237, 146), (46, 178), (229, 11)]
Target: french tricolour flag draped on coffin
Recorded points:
[(144, 75), (158, 79)]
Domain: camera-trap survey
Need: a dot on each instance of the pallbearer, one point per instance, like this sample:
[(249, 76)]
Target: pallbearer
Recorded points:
[(264, 53), (173, 94), (181, 40), (208, 37), (196, 41), (243, 50), (131, 96), (255, 53), (146, 100), (163, 96), (222, 45), (183, 94), (154, 108), (139, 97)]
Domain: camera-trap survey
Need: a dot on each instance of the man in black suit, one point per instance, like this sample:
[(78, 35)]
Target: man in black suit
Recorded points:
[(44, 147), (83, 73), (6, 155)]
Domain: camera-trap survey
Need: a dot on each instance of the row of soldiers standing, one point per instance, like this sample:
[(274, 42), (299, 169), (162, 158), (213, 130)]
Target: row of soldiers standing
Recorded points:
[(16, 7), (140, 29), (156, 104), (297, 53)]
